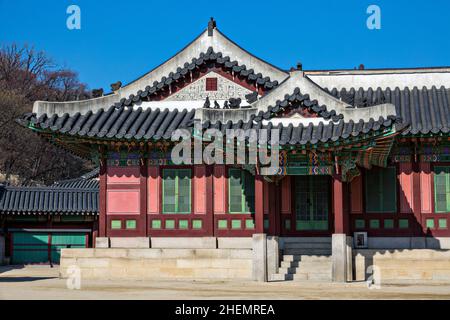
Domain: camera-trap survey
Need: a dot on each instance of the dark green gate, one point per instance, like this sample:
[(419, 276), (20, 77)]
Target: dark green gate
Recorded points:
[(30, 247)]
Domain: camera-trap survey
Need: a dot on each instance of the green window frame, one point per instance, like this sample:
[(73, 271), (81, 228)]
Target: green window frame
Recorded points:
[(442, 189), (116, 224), (381, 190), (176, 191), (130, 224), (241, 191)]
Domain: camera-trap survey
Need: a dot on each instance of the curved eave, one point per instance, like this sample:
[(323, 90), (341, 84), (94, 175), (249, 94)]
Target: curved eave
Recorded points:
[(340, 143)]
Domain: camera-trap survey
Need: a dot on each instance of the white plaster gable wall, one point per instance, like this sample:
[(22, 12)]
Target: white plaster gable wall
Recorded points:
[(201, 44), (307, 86), (296, 120), (297, 80), (374, 79), (226, 89)]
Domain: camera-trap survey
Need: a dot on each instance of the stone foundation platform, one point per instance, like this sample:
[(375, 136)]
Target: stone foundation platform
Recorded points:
[(139, 264), (402, 265)]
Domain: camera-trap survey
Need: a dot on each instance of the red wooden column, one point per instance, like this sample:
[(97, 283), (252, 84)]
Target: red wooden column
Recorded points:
[(143, 225), (209, 201), (340, 217), (102, 200), (259, 204), (341, 264), (417, 200), (426, 194)]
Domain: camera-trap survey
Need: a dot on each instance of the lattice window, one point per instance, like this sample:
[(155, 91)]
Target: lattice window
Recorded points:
[(211, 84), (241, 191), (381, 190), (176, 190), (442, 189)]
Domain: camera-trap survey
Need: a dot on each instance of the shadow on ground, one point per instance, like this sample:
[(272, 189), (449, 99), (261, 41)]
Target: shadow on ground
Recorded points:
[(11, 278), (24, 279)]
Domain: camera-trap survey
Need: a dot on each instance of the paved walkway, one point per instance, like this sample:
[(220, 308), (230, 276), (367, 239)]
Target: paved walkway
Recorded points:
[(42, 282)]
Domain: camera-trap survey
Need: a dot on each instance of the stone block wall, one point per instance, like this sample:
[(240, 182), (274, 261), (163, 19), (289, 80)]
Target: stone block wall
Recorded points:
[(163, 258), (402, 265), (146, 264)]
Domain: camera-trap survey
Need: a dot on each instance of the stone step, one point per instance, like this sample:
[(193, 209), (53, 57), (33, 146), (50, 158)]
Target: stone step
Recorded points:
[(317, 251), (302, 269), (306, 264), (280, 277), (303, 257), (307, 245), (325, 277)]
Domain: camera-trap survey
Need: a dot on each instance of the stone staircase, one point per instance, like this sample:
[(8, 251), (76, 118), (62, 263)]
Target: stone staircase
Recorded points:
[(305, 259)]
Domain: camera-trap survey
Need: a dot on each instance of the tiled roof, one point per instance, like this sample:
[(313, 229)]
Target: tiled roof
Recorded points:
[(310, 134), (70, 197), (298, 100), (122, 123), (127, 123), (48, 200), (86, 181), (424, 110)]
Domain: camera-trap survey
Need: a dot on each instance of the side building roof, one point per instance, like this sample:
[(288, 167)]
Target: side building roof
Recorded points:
[(71, 197)]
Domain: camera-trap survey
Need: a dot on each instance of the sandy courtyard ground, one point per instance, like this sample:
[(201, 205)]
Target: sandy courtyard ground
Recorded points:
[(42, 282)]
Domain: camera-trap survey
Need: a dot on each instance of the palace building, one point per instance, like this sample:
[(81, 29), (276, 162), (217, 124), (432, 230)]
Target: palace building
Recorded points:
[(362, 178)]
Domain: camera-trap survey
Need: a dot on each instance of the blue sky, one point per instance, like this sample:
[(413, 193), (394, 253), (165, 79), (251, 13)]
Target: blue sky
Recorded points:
[(121, 40)]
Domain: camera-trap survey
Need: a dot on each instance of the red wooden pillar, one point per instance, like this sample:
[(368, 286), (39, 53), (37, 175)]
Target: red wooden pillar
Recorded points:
[(143, 221), (209, 201), (426, 195), (416, 200), (102, 200), (340, 217), (259, 204)]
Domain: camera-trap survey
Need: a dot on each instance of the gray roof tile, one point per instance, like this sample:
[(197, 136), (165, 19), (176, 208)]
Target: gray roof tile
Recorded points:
[(424, 111)]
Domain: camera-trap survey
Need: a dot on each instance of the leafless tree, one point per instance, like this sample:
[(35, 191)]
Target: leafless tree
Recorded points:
[(26, 76)]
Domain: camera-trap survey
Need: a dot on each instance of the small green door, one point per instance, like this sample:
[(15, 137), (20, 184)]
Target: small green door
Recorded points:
[(312, 202), (66, 240), (29, 247), (36, 247)]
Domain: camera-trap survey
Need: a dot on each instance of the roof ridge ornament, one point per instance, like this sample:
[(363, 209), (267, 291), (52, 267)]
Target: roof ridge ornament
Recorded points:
[(211, 26)]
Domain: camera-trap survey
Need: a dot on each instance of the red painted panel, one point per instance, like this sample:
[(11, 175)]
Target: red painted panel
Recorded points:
[(220, 190), (356, 192), (124, 202), (286, 195), (266, 197), (425, 187), (153, 190), (200, 189), (406, 188), (123, 175)]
